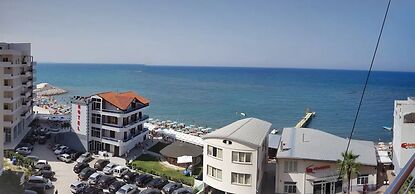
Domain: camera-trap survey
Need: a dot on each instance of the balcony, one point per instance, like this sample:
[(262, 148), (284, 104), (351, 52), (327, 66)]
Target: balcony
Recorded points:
[(135, 135), (11, 75)]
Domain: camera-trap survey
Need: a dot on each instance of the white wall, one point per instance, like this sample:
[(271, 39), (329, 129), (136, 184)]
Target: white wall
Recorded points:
[(227, 166)]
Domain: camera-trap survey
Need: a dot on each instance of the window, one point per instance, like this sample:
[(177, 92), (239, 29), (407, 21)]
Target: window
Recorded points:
[(241, 179), (96, 132), (110, 120), (241, 157), (214, 151), (96, 118), (290, 187), (214, 172), (362, 179), (96, 104), (290, 166)]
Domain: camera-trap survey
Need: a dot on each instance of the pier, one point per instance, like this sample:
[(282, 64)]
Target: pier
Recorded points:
[(305, 120)]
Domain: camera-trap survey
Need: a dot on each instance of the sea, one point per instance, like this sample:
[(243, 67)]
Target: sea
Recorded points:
[(216, 96)]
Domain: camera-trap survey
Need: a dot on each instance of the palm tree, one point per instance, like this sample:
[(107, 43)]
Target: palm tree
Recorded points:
[(348, 166)]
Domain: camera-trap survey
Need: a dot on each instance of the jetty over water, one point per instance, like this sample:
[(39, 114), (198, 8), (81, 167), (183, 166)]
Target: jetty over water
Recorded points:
[(305, 120)]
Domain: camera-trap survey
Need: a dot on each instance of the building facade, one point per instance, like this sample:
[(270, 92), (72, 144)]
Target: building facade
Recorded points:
[(234, 157), (110, 121), (17, 68), (403, 132), (307, 163)]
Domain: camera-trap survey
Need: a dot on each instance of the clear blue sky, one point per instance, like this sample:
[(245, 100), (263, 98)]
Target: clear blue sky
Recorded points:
[(298, 34)]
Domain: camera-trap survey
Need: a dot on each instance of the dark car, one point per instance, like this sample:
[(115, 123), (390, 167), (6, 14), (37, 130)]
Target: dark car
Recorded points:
[(86, 172), (151, 191), (42, 139), (183, 191), (23, 144), (100, 164), (92, 190), (105, 181), (142, 179), (129, 177), (79, 166), (157, 183), (115, 186), (43, 167), (45, 174), (170, 187), (75, 155)]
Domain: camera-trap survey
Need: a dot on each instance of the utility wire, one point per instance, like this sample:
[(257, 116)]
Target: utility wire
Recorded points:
[(365, 85)]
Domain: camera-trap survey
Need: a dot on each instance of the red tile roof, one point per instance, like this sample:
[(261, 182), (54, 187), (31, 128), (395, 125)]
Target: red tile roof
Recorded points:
[(123, 100)]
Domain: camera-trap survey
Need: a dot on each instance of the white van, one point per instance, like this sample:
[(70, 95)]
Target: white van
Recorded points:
[(120, 171)]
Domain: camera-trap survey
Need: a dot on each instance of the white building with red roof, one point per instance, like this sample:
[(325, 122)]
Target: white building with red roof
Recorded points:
[(110, 121)]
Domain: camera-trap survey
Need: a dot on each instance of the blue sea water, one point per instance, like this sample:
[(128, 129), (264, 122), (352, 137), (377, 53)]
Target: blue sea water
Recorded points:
[(211, 96)]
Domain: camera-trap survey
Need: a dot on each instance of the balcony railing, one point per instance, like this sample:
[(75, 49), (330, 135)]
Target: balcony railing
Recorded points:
[(111, 139), (143, 118), (398, 183)]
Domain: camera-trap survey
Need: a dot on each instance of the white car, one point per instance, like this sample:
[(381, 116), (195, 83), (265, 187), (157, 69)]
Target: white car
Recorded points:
[(93, 179), (78, 187), (40, 181), (41, 163), (85, 157), (109, 168), (61, 150), (127, 189), (120, 171), (64, 158), (24, 151)]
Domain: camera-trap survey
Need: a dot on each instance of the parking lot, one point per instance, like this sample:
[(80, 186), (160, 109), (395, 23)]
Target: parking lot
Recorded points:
[(64, 171)]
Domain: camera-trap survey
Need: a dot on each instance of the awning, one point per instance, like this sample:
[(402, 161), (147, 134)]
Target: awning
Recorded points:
[(184, 159), (384, 157)]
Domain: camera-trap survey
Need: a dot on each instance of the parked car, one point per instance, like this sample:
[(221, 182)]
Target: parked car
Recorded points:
[(129, 177), (170, 187), (109, 168), (61, 150), (24, 151), (78, 187), (45, 174), (85, 173), (105, 181), (26, 191), (85, 157), (37, 188), (92, 190), (100, 164), (93, 179), (56, 146), (151, 191), (120, 171), (33, 158), (23, 144), (115, 186), (75, 155), (64, 158), (39, 181), (142, 179), (42, 139), (157, 183), (128, 189), (45, 167), (40, 163), (79, 166), (183, 191)]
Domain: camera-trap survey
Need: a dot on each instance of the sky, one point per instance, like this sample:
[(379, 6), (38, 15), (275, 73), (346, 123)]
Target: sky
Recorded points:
[(295, 34)]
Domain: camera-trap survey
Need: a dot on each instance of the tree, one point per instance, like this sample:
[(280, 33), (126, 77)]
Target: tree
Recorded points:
[(348, 166), (10, 182)]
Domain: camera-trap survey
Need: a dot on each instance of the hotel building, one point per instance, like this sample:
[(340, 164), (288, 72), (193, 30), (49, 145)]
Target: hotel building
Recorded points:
[(307, 162), (234, 157), (16, 70), (403, 132), (110, 121)]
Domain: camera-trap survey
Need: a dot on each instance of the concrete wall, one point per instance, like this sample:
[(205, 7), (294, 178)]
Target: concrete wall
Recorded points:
[(227, 166)]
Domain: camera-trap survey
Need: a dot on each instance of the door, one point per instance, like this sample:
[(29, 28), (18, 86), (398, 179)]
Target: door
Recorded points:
[(116, 150)]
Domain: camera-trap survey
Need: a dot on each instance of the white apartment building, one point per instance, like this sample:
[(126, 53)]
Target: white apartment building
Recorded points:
[(403, 132), (16, 70), (234, 157), (307, 163), (110, 121)]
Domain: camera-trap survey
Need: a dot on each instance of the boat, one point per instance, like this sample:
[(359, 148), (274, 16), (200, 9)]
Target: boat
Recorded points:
[(388, 128)]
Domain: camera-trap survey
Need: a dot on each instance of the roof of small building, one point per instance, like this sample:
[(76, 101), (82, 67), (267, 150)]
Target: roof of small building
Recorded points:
[(313, 144), (177, 149), (249, 131), (124, 99)]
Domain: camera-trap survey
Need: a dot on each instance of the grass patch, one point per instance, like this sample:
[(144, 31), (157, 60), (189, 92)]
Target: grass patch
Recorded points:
[(150, 164), (158, 146)]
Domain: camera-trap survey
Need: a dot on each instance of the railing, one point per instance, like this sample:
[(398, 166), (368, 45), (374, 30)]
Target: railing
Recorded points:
[(110, 139), (143, 118), (403, 175)]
